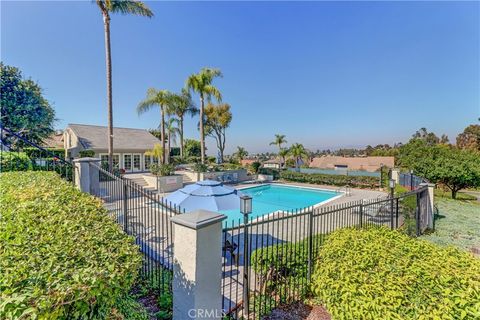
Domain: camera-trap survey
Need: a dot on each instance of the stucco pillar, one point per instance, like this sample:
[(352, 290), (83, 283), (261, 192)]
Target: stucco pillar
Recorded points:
[(86, 175), (197, 267), (431, 198), (396, 175)]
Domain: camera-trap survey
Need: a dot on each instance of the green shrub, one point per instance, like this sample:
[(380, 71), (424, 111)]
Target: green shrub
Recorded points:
[(61, 256), (162, 170), (200, 167), (255, 166), (269, 171), (86, 153), (330, 179), (14, 161), (34, 153), (378, 273)]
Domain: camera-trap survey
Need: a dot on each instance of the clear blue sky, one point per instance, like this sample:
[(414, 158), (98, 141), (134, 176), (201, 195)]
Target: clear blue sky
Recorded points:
[(325, 74)]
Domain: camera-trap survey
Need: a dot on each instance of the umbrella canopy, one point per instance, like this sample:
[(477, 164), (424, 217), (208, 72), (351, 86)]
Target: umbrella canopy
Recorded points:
[(207, 195)]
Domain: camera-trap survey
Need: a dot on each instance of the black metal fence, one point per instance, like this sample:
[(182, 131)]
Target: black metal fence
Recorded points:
[(145, 215), (19, 154), (269, 260)]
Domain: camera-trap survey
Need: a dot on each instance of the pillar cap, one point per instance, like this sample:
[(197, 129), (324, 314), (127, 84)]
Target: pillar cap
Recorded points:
[(87, 159), (198, 219), (428, 184)]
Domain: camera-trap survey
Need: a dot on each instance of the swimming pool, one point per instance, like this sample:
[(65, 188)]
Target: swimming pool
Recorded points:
[(272, 197)]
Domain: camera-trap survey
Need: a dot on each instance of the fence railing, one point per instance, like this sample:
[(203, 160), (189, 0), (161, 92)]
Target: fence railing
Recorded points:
[(145, 215), (269, 260), (410, 181), (20, 154)]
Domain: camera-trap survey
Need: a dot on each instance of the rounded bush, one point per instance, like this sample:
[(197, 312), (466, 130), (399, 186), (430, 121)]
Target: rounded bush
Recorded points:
[(382, 274), (61, 256)]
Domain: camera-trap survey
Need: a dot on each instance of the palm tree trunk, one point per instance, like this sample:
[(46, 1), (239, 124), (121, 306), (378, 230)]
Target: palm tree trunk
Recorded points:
[(162, 134), (169, 147), (108, 61), (202, 134), (181, 137)]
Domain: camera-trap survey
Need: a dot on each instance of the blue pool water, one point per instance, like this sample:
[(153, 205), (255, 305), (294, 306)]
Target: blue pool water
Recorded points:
[(270, 198)]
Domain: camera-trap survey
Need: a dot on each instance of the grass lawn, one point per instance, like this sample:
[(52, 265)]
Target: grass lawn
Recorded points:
[(457, 223)]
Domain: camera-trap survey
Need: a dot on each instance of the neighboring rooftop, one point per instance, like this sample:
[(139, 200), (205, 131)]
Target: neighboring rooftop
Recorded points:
[(352, 163), (55, 140), (95, 137)]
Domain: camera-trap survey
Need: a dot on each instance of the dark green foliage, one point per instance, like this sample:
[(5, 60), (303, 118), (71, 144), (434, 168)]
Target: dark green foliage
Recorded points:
[(23, 108), (192, 148), (255, 166), (35, 153), (14, 161), (61, 256), (86, 153), (200, 167), (378, 273), (329, 179)]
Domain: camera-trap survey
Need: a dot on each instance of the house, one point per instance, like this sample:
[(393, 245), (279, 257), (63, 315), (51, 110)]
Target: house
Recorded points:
[(273, 164), (247, 162), (53, 141), (370, 164), (129, 145)]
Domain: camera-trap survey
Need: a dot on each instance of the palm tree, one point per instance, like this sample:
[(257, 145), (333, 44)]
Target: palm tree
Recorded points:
[(156, 152), (163, 99), (182, 104), (123, 7), (201, 83), (241, 153), (298, 152), (172, 132), (279, 140), (283, 153)]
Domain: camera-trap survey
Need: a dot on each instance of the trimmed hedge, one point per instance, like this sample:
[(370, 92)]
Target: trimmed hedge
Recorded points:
[(14, 161), (378, 273), (61, 256), (330, 179)]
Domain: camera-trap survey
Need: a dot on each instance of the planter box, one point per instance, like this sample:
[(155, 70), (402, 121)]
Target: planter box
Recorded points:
[(227, 176), (265, 177), (169, 183)]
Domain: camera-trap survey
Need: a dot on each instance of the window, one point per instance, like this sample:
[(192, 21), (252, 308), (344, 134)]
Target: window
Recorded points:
[(116, 160), (148, 161)]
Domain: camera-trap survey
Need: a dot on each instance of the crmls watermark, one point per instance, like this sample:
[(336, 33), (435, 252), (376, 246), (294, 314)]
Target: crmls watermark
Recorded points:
[(206, 314)]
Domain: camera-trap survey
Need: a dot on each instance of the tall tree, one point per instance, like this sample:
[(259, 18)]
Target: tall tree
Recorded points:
[(123, 7), (162, 99), (172, 130), (299, 153), (23, 108), (240, 154), (201, 83), (279, 140), (217, 120), (182, 105), (469, 138)]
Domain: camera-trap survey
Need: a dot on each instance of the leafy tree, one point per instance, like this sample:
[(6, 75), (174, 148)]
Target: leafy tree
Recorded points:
[(299, 153), (429, 137), (192, 148), (124, 7), (201, 83), (23, 108), (455, 168), (182, 105), (469, 138), (217, 120), (163, 99), (240, 154), (255, 166), (283, 153)]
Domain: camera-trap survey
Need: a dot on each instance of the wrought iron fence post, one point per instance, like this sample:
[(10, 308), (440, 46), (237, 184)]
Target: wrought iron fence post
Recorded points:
[(361, 215), (125, 206), (417, 212), (246, 282), (396, 214), (391, 209), (310, 244)]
